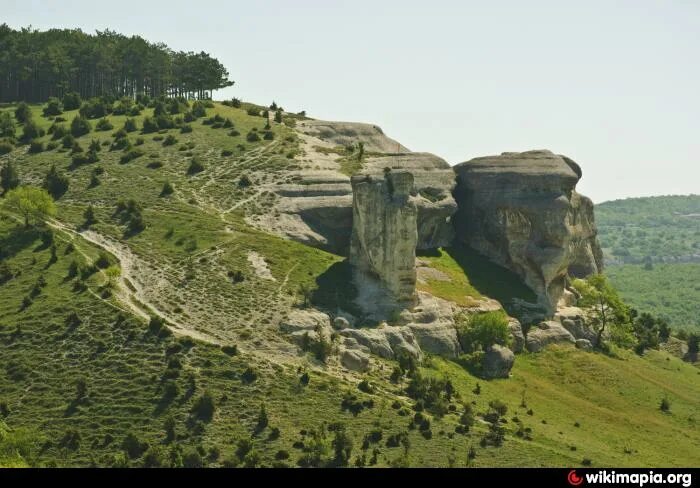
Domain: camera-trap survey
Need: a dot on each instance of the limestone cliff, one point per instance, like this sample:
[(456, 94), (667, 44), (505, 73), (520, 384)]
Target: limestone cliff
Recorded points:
[(522, 211), (383, 243), (314, 201)]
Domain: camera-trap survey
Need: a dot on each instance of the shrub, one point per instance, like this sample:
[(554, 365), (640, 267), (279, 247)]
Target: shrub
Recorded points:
[(665, 405), (226, 153), (186, 129), (103, 125), (192, 459), (71, 101), (53, 107), (139, 141), (149, 125), (198, 109), (30, 131), (95, 146), (95, 108), (67, 141), (76, 148), (252, 136), (480, 331), (268, 135), (195, 167), (171, 140), (9, 178), (80, 126), (204, 407), (130, 125), (253, 111), (36, 147), (133, 447), (130, 156), (23, 113), (5, 148), (58, 131), (167, 189), (55, 183)]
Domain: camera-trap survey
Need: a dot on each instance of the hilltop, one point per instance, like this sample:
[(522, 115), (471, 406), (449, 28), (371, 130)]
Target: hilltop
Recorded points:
[(218, 229)]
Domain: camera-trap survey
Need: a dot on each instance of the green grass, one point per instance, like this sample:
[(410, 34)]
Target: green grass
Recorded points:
[(614, 401), (193, 239), (671, 291), (471, 277)]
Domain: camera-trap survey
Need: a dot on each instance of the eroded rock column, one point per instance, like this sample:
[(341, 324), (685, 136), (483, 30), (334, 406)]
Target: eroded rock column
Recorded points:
[(383, 242)]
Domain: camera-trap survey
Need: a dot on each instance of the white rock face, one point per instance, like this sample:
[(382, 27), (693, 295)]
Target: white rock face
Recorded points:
[(383, 243)]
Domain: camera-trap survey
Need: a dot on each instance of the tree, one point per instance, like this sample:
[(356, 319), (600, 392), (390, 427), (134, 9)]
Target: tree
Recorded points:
[(9, 179), (342, 446), (33, 204), (72, 101), (53, 107), (278, 116), (605, 303)]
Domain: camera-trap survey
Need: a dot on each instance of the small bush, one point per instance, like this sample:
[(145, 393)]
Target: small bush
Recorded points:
[(204, 407), (252, 136), (6, 148), (53, 107), (130, 156), (171, 140), (36, 147), (80, 126), (31, 131), (186, 129), (167, 189), (665, 405), (71, 101), (482, 330), (195, 167), (103, 125)]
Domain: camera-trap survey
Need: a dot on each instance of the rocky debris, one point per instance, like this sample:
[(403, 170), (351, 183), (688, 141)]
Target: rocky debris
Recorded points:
[(516, 333), (354, 360), (521, 210), (497, 362), (383, 243), (584, 344), (548, 332), (387, 342), (305, 320), (260, 266), (574, 320)]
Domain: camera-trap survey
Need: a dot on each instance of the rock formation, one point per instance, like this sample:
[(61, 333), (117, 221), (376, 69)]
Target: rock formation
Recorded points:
[(522, 211), (383, 243)]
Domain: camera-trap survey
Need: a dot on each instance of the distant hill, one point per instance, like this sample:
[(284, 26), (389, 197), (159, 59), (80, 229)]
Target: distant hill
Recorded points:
[(660, 229), (652, 253)]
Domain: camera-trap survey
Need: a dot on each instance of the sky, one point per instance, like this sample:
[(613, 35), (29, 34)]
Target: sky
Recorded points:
[(615, 85)]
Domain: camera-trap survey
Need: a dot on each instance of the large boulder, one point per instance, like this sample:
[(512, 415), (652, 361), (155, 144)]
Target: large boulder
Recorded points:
[(383, 244), (497, 362), (305, 320), (385, 342), (521, 210), (437, 338), (354, 360), (549, 332)]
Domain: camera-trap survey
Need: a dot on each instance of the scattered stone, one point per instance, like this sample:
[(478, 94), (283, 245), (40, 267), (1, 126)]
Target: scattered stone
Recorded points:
[(354, 360), (584, 344)]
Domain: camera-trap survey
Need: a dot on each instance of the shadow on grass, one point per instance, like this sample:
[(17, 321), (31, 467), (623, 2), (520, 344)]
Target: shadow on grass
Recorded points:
[(488, 278), (16, 240), (335, 289)]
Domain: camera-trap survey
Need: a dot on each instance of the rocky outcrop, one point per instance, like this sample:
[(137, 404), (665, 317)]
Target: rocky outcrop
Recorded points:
[(521, 210), (314, 201), (383, 243), (516, 334)]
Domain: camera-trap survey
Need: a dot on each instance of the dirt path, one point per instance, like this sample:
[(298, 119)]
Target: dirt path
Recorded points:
[(130, 289)]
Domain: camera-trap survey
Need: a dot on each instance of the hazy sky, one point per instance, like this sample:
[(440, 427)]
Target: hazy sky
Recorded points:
[(613, 84)]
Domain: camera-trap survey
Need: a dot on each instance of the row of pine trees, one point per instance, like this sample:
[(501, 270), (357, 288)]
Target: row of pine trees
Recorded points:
[(36, 65)]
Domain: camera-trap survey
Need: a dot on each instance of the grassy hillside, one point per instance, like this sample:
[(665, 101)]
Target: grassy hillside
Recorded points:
[(652, 253), (86, 378)]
